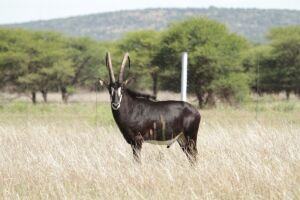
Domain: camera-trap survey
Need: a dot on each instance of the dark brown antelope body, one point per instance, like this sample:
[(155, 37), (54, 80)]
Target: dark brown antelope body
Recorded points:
[(142, 119)]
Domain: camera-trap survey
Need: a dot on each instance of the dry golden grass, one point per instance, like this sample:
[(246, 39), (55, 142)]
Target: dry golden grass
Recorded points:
[(239, 158)]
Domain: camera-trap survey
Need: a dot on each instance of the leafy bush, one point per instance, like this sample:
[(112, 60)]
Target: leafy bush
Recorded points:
[(233, 89)]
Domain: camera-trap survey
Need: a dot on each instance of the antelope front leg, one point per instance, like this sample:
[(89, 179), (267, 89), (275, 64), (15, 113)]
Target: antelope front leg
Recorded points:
[(137, 147)]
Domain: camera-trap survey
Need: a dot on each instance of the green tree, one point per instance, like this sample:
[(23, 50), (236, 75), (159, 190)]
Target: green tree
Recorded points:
[(44, 61), (13, 58), (276, 65), (142, 46), (45, 49), (214, 59), (81, 68), (255, 62), (285, 42), (26, 59)]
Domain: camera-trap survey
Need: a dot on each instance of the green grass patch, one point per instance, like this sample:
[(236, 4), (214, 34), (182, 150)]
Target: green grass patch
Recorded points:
[(284, 107), (101, 115), (58, 112)]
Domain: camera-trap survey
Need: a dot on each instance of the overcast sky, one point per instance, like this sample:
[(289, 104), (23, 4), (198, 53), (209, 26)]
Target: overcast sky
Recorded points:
[(26, 10)]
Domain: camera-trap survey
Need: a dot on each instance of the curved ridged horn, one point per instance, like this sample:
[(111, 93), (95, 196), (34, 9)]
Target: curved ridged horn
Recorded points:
[(109, 67), (126, 56)]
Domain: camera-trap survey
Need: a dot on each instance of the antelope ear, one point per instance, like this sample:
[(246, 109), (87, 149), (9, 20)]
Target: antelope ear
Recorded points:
[(128, 81), (103, 83)]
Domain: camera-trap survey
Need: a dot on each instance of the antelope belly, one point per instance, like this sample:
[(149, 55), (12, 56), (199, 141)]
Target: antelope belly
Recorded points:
[(165, 142)]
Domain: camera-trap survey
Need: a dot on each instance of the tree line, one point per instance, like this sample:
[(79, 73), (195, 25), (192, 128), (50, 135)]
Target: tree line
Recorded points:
[(222, 65)]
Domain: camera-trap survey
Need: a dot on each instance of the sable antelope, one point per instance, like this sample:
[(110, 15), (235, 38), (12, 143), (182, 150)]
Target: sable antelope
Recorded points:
[(142, 119)]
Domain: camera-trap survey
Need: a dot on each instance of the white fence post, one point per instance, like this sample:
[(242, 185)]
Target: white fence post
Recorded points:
[(184, 63)]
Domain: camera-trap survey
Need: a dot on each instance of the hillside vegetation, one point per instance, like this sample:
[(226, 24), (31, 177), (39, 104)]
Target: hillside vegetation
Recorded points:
[(251, 23)]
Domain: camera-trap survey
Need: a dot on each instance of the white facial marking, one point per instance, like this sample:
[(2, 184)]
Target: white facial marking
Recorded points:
[(117, 105), (112, 91)]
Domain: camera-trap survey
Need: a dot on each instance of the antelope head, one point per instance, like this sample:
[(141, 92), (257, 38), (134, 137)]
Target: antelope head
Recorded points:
[(115, 88)]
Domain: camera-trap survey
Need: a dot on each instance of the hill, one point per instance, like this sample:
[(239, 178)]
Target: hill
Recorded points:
[(251, 23)]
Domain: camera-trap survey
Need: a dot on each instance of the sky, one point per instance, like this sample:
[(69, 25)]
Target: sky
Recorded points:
[(15, 11)]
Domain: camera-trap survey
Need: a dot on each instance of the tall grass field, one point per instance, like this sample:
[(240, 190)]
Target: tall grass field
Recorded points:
[(75, 151)]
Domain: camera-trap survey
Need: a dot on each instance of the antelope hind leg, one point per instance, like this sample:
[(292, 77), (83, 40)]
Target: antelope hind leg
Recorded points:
[(188, 146), (137, 147)]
